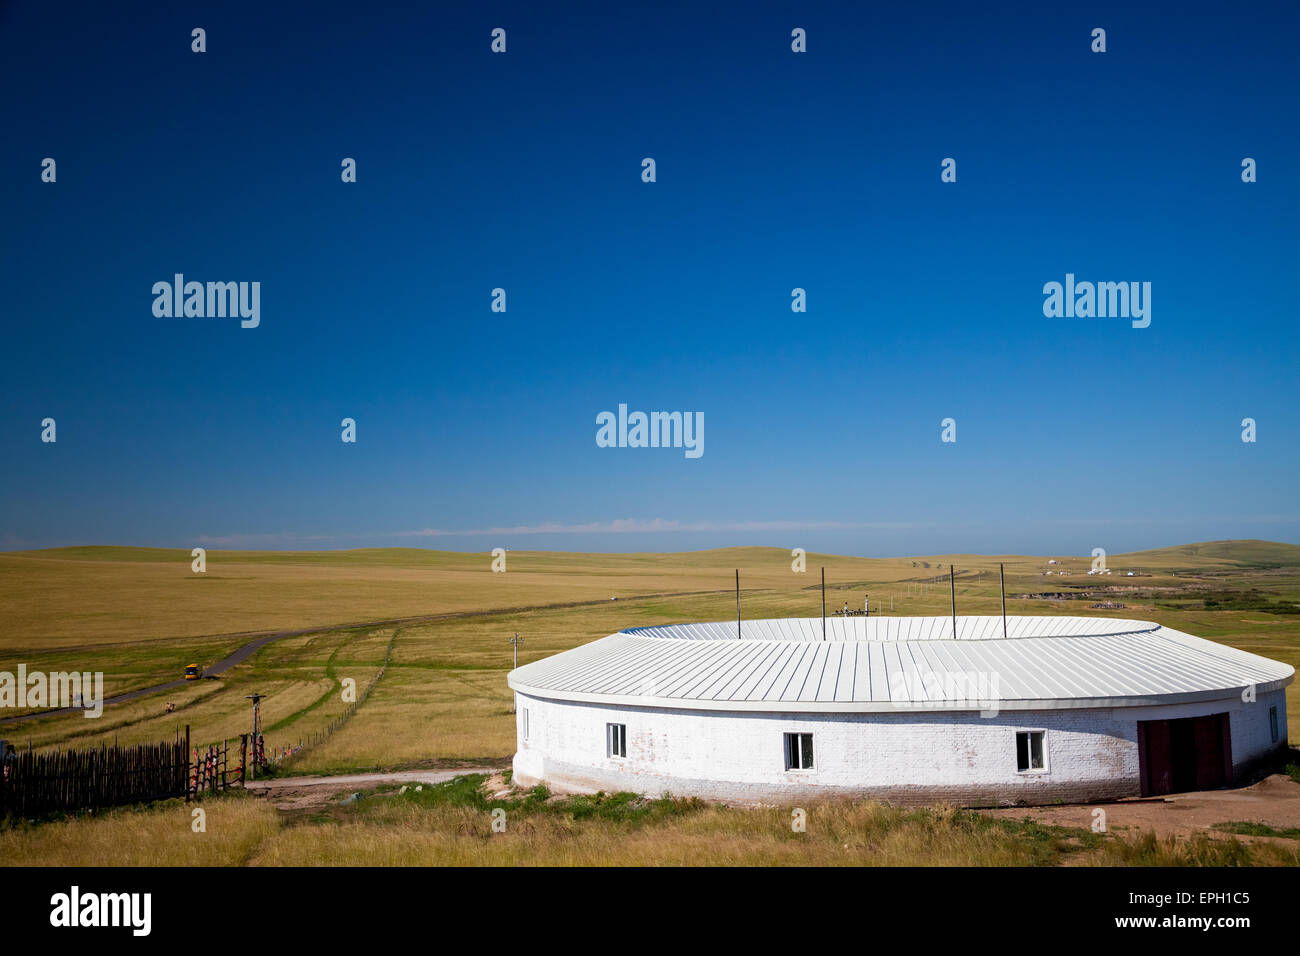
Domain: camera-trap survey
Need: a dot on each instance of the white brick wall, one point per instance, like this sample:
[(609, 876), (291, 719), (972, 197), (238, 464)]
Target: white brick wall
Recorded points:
[(927, 756)]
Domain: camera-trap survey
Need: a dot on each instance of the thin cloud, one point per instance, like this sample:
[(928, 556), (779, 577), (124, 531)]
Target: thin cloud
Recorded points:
[(261, 540), (646, 526)]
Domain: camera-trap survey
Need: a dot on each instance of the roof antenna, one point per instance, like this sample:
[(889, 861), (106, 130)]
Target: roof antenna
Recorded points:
[(1002, 577), (952, 588), (823, 604), (737, 603)]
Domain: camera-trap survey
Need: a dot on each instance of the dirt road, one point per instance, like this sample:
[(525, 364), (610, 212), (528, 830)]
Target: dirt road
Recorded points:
[(1274, 801), (304, 793)]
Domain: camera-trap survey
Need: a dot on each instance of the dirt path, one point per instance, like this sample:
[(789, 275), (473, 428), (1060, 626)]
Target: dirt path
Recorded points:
[(1274, 801), (306, 793)]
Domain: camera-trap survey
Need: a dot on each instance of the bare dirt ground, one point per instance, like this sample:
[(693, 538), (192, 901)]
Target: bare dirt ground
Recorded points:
[(1274, 801), (298, 794)]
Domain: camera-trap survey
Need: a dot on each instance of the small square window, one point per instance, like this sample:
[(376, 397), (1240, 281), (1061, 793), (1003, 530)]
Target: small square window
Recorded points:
[(616, 740), (798, 752), (1272, 723), (1031, 751)]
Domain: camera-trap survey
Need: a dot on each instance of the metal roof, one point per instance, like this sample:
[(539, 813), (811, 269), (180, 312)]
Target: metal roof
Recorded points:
[(900, 663)]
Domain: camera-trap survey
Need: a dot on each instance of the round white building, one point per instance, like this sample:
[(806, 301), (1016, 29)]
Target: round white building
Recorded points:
[(1060, 708)]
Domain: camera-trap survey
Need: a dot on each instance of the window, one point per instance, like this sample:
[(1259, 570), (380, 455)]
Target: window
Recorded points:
[(616, 740), (1031, 751), (524, 722), (1272, 722), (798, 752)]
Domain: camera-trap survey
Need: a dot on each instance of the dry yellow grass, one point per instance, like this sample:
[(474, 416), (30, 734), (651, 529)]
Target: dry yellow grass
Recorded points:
[(840, 835), (80, 596), (414, 716), (444, 695), (159, 836), (390, 830), (301, 678), (141, 615)]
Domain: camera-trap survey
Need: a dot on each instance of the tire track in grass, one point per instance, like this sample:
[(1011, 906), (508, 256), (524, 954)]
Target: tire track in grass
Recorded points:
[(320, 701), (248, 649), (342, 720)]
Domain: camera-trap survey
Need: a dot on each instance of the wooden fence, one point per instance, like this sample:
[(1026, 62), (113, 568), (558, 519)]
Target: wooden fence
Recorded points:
[(65, 781), (209, 769), (61, 781)]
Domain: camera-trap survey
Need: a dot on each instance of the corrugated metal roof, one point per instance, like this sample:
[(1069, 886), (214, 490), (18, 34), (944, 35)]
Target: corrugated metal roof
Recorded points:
[(890, 663)]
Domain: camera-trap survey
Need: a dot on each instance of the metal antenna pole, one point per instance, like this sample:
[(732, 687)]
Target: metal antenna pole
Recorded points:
[(823, 604), (516, 641), (737, 603), (952, 589), (1002, 577)]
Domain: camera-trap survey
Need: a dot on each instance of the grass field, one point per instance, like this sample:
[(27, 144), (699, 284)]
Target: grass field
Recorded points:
[(452, 825), (140, 615)]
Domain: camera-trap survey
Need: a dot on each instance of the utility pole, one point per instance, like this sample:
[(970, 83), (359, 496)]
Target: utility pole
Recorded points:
[(866, 605), (737, 603), (257, 711), (257, 732), (952, 589), (823, 604)]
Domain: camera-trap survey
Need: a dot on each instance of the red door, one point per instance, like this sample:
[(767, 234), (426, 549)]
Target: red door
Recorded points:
[(1213, 752), (1154, 760), (1188, 753)]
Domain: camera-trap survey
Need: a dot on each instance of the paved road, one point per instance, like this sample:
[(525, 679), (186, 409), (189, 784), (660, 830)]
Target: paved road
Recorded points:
[(255, 645), (221, 666)]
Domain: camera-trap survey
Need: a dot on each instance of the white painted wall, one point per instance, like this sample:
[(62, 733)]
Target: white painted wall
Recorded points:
[(926, 756)]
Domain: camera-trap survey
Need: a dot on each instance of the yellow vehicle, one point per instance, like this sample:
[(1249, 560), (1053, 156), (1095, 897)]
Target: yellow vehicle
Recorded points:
[(193, 672)]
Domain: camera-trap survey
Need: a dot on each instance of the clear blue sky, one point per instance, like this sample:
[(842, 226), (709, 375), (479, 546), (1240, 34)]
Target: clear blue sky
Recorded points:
[(775, 171)]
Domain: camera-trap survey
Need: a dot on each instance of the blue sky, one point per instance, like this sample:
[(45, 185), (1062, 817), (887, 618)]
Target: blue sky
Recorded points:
[(775, 170)]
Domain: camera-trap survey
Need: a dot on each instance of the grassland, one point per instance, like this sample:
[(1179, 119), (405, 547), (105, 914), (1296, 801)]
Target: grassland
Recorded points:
[(140, 615), (452, 825)]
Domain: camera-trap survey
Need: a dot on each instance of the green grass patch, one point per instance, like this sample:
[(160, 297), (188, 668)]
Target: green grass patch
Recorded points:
[(629, 808), (1250, 828), (1147, 849)]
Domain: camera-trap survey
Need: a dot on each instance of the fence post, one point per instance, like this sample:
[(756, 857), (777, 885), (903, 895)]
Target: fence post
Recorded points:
[(187, 763)]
